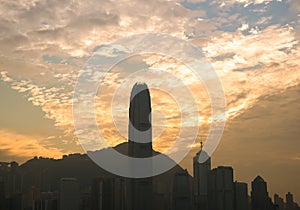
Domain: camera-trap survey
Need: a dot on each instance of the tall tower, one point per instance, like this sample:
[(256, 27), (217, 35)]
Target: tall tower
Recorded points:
[(200, 181), (139, 128), (140, 145)]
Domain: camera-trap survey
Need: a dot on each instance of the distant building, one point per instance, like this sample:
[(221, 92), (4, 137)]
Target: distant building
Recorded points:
[(279, 202), (49, 201), (102, 194), (181, 192), (15, 202), (86, 200), (31, 198), (260, 199), (289, 201), (108, 194), (69, 194), (290, 204), (241, 201), (3, 205), (119, 185), (14, 179), (221, 191), (200, 181)]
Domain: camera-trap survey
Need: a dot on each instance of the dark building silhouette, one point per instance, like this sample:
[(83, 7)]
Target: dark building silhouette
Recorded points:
[(161, 195), (241, 201), (200, 181), (69, 194), (86, 200), (14, 179), (279, 202), (32, 199), (108, 194), (49, 201), (140, 128), (15, 201), (290, 204), (119, 186), (181, 191), (260, 199), (140, 192), (2, 194), (289, 201), (102, 194), (221, 189), (10, 186)]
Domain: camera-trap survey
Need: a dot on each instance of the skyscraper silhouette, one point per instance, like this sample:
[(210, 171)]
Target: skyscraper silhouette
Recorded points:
[(290, 205), (139, 128), (241, 201), (181, 191), (260, 199), (201, 173), (221, 189), (279, 202), (140, 145), (69, 194)]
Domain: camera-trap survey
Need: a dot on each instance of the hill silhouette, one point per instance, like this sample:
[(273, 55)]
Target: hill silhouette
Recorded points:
[(45, 173)]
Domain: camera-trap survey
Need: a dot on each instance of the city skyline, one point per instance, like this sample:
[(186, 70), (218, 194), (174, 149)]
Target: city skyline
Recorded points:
[(211, 182), (140, 146), (187, 163), (253, 46)]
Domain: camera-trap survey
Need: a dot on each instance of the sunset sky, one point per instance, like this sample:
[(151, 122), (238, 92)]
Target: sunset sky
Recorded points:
[(253, 45)]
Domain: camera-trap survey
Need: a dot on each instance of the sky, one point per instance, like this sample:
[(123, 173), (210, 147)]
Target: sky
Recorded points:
[(253, 46)]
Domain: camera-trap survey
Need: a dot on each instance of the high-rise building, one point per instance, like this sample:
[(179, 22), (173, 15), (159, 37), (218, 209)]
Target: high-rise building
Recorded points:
[(279, 202), (140, 128), (102, 194), (221, 190), (260, 199), (69, 194), (181, 191), (200, 181), (14, 179), (119, 193), (108, 194), (2, 194), (31, 198), (15, 201), (48, 201), (241, 201), (290, 205), (140, 146)]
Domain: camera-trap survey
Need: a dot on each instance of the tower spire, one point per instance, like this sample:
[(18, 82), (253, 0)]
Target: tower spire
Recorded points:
[(201, 141)]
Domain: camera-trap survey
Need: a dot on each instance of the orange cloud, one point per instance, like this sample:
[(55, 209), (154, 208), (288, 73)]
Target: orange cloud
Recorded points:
[(25, 146)]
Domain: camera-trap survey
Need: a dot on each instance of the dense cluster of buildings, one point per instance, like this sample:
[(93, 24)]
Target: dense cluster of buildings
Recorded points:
[(215, 189), (208, 189)]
